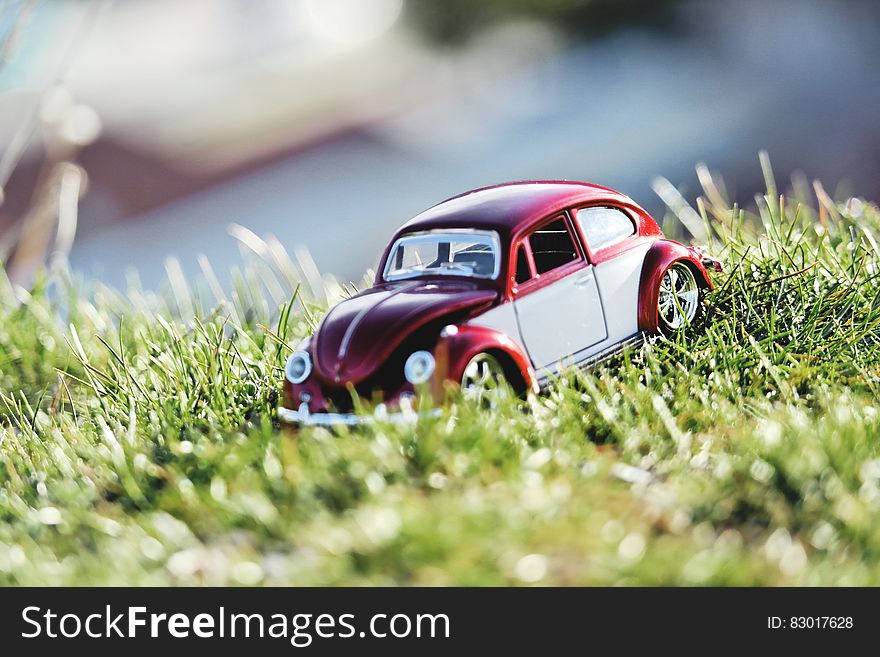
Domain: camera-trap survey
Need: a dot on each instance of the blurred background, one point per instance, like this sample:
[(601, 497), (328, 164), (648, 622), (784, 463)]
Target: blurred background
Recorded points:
[(136, 131)]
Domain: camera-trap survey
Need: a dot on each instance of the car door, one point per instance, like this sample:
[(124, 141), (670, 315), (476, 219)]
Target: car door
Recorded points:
[(556, 297), (617, 253)]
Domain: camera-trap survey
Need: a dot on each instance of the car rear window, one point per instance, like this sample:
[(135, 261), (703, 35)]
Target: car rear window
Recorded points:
[(604, 226)]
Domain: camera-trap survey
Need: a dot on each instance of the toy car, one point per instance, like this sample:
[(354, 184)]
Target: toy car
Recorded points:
[(508, 283)]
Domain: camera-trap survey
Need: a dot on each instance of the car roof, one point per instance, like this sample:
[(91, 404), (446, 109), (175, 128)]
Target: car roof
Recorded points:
[(510, 206)]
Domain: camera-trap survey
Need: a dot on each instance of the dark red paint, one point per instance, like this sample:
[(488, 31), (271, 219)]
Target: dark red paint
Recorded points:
[(359, 334)]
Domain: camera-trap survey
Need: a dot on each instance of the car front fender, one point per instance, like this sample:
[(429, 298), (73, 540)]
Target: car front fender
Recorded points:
[(458, 344), (660, 257)]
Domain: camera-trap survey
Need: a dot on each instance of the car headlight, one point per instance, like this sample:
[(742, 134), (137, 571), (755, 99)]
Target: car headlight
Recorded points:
[(298, 367), (418, 367)]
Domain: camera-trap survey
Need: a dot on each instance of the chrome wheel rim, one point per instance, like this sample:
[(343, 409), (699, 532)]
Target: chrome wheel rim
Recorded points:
[(483, 378), (679, 297)]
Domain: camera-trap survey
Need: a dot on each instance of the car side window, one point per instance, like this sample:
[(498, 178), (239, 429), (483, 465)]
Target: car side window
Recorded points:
[(523, 272), (552, 246), (604, 226)]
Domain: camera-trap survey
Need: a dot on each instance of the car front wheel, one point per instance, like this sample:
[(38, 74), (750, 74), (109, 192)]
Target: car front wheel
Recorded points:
[(678, 301)]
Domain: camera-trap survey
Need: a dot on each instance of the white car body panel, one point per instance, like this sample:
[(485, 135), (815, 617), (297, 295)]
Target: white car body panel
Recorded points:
[(501, 318), (561, 322), (576, 319), (619, 279)]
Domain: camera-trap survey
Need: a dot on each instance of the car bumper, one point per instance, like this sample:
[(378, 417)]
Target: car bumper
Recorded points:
[(304, 418)]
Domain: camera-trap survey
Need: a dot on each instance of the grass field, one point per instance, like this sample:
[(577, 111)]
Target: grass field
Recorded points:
[(139, 442)]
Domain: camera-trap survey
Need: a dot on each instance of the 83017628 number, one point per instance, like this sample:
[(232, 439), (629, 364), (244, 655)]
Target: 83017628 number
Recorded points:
[(810, 623)]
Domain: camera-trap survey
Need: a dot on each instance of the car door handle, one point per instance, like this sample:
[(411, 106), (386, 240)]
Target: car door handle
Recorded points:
[(584, 279)]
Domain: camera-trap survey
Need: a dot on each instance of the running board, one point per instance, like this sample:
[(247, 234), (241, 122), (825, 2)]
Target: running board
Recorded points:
[(638, 339)]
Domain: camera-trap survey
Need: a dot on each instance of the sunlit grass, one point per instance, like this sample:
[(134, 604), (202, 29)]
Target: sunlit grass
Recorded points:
[(139, 442)]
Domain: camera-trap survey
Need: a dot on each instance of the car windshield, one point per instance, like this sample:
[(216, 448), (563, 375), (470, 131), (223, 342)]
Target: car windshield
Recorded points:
[(444, 253)]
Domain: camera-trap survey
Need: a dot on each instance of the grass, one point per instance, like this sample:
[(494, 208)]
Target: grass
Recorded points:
[(139, 442)]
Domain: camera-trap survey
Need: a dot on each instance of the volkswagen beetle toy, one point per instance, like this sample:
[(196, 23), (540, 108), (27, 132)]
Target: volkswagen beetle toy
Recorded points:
[(505, 284)]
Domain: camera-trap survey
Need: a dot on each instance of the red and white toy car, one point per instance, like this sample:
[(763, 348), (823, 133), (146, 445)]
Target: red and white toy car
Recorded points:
[(511, 282)]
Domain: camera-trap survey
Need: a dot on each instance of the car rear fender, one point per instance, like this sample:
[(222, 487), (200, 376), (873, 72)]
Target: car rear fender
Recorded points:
[(659, 258)]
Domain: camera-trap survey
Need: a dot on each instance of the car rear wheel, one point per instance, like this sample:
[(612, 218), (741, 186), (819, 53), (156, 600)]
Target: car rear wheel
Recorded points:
[(484, 379), (678, 301)]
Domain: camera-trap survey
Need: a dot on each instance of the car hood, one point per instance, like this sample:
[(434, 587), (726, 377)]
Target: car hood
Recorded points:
[(358, 335)]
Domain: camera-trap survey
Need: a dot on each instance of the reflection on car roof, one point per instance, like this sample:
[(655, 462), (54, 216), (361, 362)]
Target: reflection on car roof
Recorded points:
[(509, 206)]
